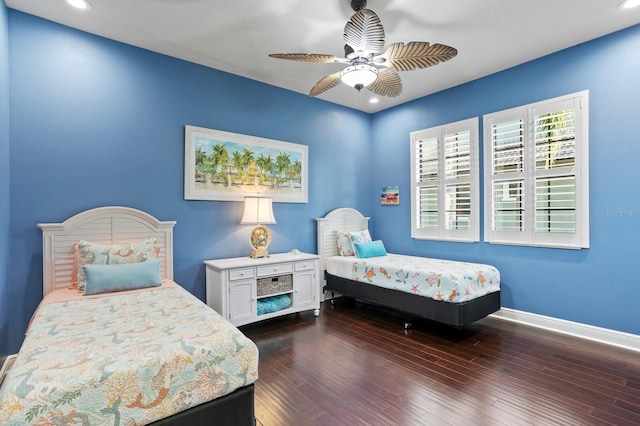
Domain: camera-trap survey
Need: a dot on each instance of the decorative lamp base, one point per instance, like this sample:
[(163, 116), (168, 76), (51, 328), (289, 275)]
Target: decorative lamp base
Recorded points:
[(260, 239), (259, 252)]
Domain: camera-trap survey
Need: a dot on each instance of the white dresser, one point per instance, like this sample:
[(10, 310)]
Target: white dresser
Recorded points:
[(238, 288)]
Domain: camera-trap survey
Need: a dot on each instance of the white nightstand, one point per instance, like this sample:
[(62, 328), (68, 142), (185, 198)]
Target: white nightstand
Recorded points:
[(235, 286)]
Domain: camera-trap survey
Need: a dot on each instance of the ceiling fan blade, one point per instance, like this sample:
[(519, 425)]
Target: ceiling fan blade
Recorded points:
[(329, 81), (415, 54), (364, 32), (348, 50), (309, 57), (387, 84)]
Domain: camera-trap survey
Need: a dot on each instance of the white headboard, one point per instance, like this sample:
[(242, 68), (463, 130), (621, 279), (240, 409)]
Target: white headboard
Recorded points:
[(344, 219), (103, 225)]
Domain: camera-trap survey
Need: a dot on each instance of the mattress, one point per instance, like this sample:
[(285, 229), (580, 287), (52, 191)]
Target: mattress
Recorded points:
[(438, 279), (124, 359)]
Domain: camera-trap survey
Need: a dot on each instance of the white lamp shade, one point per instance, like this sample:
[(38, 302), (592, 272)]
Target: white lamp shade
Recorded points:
[(258, 211), (359, 75)]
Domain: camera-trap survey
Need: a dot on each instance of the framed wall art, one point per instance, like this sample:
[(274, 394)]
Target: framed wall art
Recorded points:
[(390, 195), (228, 166)]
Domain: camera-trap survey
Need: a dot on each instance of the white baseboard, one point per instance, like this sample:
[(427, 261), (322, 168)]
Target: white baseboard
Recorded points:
[(584, 331)]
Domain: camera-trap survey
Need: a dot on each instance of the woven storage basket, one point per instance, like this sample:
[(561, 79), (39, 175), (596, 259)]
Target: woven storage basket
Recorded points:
[(273, 285)]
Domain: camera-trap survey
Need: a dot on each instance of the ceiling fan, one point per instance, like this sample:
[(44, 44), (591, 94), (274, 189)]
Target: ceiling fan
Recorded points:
[(367, 66)]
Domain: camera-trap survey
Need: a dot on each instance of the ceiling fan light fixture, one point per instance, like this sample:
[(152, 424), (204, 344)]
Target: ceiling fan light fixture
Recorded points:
[(359, 76)]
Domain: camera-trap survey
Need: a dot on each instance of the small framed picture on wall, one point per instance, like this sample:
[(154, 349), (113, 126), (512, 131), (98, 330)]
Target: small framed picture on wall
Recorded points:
[(390, 195)]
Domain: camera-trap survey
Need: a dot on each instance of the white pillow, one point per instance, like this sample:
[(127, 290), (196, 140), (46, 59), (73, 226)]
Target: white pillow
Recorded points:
[(359, 237), (345, 248), (96, 254)]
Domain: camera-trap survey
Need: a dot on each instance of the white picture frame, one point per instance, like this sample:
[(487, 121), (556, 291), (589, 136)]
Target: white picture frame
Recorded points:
[(225, 166)]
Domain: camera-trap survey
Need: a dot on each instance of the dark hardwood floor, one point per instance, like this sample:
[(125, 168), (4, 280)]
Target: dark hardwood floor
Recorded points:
[(356, 365)]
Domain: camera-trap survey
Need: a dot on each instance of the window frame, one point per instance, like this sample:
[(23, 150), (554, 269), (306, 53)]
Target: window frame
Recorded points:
[(440, 233), (530, 174)]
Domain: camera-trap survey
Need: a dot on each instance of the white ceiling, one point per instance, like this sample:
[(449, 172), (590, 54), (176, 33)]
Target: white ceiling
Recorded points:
[(237, 35)]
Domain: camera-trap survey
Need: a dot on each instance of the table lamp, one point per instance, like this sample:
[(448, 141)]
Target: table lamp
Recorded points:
[(258, 211)]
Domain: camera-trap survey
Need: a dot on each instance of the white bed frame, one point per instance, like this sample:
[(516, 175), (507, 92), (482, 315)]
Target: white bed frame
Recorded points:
[(103, 225), (455, 314), (117, 225), (343, 219)]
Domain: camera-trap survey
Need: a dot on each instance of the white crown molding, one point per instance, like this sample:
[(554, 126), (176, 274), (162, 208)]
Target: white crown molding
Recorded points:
[(598, 334)]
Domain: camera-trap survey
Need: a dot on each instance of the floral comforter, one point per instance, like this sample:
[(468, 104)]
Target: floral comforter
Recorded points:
[(123, 360), (435, 278)]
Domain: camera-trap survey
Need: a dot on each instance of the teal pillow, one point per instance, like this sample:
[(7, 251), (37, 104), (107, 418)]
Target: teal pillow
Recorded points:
[(370, 249), (359, 237), (119, 277)]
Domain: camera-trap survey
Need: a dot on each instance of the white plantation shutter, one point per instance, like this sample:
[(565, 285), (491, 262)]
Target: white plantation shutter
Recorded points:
[(457, 154), (426, 163), (457, 187), (536, 164), (507, 144), (427, 160), (427, 208), (508, 206), (556, 204), (457, 207), (444, 171), (555, 154), (555, 139)]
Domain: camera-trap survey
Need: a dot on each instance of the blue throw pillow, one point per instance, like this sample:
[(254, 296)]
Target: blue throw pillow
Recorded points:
[(371, 249), (131, 276)]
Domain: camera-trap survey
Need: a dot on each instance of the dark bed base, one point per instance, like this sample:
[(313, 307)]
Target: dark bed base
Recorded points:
[(235, 409), (455, 314)]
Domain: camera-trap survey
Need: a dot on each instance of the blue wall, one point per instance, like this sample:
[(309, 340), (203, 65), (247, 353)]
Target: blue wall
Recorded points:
[(95, 122), (598, 286), (4, 177)]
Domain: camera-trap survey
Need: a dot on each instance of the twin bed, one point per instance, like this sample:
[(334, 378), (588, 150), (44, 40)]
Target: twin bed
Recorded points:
[(453, 293), (150, 353), (112, 346)]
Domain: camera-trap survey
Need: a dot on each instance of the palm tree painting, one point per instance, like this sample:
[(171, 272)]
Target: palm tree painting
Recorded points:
[(229, 166)]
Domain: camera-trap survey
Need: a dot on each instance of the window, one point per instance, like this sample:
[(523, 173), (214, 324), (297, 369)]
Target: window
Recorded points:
[(444, 188), (536, 167)]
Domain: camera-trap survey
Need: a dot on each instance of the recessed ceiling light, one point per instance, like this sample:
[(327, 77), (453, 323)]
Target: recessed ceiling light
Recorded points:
[(80, 4), (374, 100), (628, 4)]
